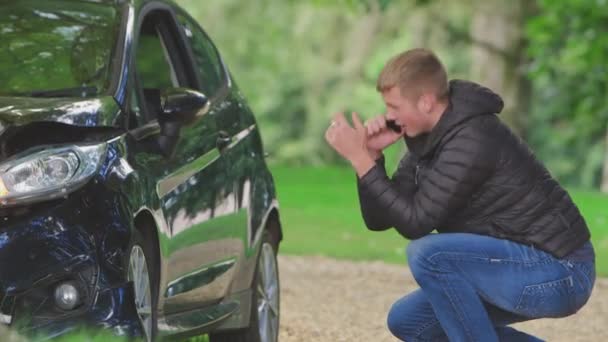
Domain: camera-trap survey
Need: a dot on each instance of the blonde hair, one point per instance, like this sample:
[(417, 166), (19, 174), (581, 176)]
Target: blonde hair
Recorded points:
[(414, 71)]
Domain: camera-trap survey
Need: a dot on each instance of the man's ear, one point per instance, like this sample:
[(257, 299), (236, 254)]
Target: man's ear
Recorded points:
[(425, 103)]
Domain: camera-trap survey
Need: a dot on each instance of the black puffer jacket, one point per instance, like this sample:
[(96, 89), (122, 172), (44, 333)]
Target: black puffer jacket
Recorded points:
[(472, 174)]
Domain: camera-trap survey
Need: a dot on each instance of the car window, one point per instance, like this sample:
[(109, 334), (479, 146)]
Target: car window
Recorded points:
[(56, 49), (153, 63), (154, 70), (207, 60)]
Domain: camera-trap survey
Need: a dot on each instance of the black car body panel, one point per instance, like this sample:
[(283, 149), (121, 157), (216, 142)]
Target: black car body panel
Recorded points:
[(87, 112), (204, 202)]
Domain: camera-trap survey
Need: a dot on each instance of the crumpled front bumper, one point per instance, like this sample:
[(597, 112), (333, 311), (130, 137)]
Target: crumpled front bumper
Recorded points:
[(66, 241), (113, 309)]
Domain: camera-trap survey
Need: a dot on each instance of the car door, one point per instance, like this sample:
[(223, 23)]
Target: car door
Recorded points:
[(189, 185), (233, 131)]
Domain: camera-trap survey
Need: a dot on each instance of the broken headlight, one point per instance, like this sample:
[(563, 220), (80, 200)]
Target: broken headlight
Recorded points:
[(43, 174)]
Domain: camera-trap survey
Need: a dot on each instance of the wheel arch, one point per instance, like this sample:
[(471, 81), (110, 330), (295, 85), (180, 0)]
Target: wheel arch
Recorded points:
[(145, 224), (272, 224)]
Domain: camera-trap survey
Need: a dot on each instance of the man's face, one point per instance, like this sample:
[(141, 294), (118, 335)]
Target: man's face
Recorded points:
[(405, 112)]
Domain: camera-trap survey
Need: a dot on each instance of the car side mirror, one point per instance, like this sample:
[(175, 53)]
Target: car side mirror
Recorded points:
[(183, 105), (178, 107)]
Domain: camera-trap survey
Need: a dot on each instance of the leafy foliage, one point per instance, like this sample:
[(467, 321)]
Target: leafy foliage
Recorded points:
[(300, 62), (569, 117)]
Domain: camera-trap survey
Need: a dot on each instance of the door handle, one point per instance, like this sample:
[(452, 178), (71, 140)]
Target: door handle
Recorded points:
[(223, 140)]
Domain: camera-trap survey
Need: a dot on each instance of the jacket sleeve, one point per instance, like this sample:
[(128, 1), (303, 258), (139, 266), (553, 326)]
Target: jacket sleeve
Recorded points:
[(403, 180), (462, 165)]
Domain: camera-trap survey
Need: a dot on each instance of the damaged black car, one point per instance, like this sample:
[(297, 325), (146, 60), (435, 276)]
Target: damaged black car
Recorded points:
[(134, 194)]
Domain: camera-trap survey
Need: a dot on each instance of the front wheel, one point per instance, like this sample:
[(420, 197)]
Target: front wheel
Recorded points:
[(265, 301), (141, 274)]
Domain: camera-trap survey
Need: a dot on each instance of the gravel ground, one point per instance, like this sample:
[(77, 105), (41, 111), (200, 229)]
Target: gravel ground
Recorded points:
[(329, 300)]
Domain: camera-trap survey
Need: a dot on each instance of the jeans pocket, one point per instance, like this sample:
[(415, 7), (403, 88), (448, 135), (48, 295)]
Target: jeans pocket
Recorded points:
[(550, 299)]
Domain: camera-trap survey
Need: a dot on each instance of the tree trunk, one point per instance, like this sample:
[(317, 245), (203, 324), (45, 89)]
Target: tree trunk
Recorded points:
[(498, 56)]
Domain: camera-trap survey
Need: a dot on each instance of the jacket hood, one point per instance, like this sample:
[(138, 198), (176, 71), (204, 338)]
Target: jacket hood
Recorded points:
[(466, 100)]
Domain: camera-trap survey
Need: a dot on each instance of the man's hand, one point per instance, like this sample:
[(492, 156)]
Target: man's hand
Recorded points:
[(350, 142), (379, 136)]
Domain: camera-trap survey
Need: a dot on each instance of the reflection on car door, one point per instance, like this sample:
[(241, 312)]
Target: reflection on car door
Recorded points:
[(192, 192), (232, 221)]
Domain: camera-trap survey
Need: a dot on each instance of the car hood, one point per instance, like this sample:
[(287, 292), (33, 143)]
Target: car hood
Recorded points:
[(85, 112)]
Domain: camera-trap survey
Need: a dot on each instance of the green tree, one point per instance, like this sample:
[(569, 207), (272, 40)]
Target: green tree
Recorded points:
[(299, 62), (569, 46)]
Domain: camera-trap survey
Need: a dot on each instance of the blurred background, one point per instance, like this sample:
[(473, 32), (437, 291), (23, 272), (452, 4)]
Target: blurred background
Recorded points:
[(300, 61)]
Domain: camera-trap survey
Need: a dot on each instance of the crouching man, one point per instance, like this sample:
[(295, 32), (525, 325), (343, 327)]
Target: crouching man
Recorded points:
[(511, 244)]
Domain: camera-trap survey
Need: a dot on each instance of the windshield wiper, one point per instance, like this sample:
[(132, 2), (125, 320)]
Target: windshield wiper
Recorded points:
[(64, 92)]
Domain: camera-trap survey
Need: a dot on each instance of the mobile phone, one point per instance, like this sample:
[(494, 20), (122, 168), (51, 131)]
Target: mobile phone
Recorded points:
[(393, 126)]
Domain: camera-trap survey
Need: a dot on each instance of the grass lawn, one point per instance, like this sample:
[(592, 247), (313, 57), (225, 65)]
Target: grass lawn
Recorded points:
[(320, 216)]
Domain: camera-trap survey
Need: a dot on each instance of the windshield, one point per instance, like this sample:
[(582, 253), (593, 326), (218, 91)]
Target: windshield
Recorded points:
[(56, 48)]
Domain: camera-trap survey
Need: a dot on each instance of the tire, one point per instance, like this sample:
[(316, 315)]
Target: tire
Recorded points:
[(141, 269), (261, 328)]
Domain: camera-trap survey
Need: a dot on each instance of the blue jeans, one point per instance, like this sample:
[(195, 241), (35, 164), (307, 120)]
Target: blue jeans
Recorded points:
[(473, 286)]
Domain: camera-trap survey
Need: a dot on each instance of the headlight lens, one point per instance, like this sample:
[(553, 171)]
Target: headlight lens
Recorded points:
[(45, 174)]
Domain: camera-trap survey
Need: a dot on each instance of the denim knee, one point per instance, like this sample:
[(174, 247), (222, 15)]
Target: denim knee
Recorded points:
[(418, 251), (392, 321), (424, 246), (395, 322)]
